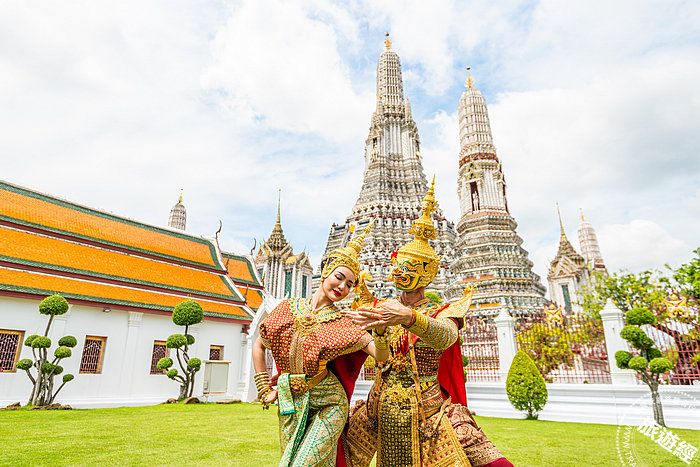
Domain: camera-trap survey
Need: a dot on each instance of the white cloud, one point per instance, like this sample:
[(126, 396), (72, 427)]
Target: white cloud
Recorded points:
[(640, 244)]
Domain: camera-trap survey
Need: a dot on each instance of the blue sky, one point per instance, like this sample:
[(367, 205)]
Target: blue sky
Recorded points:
[(594, 105)]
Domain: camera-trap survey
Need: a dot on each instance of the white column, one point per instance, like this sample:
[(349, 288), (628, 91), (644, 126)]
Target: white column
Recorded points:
[(244, 362), (130, 365), (507, 345), (613, 322)]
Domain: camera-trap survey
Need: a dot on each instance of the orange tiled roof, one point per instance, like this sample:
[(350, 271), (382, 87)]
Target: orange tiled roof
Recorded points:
[(240, 269), (43, 284), (254, 299), (53, 253), (30, 208)]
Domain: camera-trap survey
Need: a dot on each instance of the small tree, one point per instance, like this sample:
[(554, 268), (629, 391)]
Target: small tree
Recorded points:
[(45, 367), (186, 314), (649, 364), (525, 386)]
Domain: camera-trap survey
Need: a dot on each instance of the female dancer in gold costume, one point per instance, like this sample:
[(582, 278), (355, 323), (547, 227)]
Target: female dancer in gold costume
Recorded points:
[(319, 353), (416, 413)]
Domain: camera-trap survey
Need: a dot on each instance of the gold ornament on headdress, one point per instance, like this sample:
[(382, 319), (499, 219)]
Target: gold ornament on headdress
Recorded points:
[(419, 250), (347, 256)]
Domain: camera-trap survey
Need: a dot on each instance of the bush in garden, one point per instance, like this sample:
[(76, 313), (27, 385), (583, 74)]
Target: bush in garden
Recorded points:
[(187, 313), (525, 386), (42, 369), (649, 364)]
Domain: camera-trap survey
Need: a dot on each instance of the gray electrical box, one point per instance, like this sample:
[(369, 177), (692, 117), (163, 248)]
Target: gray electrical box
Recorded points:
[(215, 377)]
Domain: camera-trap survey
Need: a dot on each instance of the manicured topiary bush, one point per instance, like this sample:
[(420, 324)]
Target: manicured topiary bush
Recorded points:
[(525, 386), (186, 314), (45, 369), (650, 364)]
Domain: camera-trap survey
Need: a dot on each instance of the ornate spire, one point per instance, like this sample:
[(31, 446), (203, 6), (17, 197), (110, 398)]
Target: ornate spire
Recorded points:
[(387, 42), (589, 244), (390, 82), (565, 246), (178, 215), (277, 242), (469, 82), (474, 125)]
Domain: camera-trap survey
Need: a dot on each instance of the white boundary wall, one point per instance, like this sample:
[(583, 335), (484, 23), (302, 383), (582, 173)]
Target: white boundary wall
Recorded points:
[(586, 403)]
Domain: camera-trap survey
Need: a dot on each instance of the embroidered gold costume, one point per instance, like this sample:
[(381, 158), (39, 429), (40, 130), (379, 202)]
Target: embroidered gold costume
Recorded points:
[(416, 413), (313, 387)]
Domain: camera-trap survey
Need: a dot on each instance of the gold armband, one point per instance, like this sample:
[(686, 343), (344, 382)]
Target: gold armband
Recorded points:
[(262, 383), (381, 341), (419, 325)]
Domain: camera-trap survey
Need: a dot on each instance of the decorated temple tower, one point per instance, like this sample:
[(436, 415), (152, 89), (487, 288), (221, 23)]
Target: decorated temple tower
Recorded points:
[(284, 273), (178, 215), (568, 271), (393, 187), (490, 255)]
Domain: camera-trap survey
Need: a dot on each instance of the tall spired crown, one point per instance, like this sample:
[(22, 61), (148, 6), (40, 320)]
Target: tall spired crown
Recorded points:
[(394, 184)]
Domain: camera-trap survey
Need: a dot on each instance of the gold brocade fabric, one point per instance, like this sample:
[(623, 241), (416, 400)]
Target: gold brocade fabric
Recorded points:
[(390, 424), (302, 340)]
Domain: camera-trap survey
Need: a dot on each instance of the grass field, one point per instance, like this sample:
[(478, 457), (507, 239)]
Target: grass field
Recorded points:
[(244, 435)]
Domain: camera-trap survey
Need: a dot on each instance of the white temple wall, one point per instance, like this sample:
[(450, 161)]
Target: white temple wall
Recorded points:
[(125, 378)]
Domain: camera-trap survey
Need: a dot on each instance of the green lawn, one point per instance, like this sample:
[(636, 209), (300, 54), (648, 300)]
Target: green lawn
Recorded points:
[(244, 435)]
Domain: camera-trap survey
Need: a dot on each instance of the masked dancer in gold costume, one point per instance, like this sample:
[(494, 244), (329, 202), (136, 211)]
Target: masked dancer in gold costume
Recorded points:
[(416, 413), (319, 353)]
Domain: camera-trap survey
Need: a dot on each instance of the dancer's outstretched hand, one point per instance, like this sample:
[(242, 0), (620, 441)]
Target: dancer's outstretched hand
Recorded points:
[(270, 397), (388, 313)]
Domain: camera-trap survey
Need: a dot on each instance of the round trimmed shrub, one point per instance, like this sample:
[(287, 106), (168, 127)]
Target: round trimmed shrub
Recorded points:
[(57, 369), (638, 363), (47, 367), (41, 342), (165, 363), (68, 341), (622, 357), (653, 353), (525, 385), (62, 352), (53, 305), (190, 339), (175, 340), (660, 365), (172, 373), (194, 363), (187, 313), (68, 377), (639, 316), (632, 333), (28, 341), (24, 364), (644, 343)]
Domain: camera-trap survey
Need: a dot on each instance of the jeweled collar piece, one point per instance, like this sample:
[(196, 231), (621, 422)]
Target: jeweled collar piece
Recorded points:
[(301, 308)]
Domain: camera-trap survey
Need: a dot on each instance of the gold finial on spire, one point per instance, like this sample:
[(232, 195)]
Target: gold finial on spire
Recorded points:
[(470, 81), (583, 219), (279, 199), (561, 226), (387, 42), (180, 200)]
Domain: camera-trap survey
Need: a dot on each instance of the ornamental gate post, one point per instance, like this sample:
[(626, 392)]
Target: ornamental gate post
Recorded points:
[(507, 345), (613, 322)]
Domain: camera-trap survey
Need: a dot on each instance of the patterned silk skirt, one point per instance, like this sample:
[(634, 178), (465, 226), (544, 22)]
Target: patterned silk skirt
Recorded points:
[(309, 436)]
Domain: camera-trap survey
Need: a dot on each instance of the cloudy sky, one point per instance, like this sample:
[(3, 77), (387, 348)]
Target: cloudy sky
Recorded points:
[(595, 105)]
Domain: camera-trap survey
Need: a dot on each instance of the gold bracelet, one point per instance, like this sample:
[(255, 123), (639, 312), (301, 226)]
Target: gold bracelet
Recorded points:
[(419, 325), (381, 341)]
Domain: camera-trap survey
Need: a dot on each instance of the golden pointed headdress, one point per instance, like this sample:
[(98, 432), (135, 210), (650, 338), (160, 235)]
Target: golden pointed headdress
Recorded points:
[(346, 256), (419, 250)]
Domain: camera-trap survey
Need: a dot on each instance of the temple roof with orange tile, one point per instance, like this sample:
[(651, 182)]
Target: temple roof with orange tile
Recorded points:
[(48, 245)]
